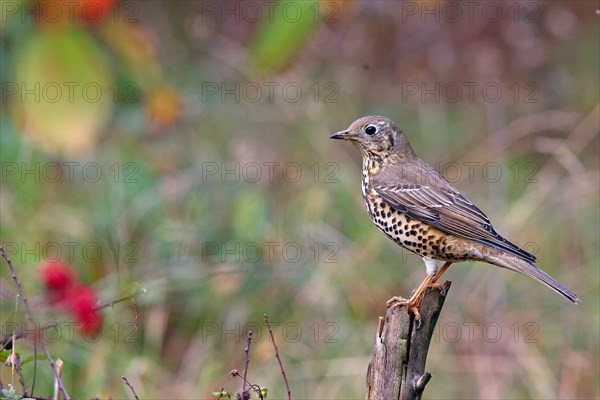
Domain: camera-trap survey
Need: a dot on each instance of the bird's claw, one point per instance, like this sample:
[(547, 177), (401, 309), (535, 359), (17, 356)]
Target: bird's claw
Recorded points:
[(411, 304), (397, 301), (435, 286), (441, 286)]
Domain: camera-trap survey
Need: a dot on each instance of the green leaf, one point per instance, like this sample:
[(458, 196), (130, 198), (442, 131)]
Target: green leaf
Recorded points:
[(31, 358), (282, 32), (265, 392), (222, 394)]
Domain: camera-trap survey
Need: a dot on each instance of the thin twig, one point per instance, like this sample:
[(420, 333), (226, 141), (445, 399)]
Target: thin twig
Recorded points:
[(13, 352), (125, 297), (34, 366), (137, 315), (131, 388), (32, 320), (14, 360), (247, 351), (287, 386), (59, 364), (21, 380)]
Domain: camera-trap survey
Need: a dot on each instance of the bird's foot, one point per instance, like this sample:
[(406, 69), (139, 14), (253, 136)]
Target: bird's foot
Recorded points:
[(411, 304), (416, 298)]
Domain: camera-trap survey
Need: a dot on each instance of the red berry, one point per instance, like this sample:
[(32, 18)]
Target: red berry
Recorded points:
[(57, 276), (80, 300)]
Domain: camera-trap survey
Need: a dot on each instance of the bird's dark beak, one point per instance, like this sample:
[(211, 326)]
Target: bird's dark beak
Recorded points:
[(344, 135)]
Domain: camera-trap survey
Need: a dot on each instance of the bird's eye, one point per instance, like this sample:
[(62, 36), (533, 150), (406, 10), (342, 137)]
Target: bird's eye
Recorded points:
[(371, 130)]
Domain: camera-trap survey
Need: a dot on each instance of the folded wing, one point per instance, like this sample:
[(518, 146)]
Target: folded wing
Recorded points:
[(449, 211)]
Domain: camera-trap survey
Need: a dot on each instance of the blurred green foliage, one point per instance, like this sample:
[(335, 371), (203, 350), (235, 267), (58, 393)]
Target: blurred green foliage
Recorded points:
[(277, 41), (207, 96)]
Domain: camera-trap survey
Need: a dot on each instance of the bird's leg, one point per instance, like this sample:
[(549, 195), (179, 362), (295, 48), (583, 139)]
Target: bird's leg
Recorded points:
[(415, 300), (438, 274)]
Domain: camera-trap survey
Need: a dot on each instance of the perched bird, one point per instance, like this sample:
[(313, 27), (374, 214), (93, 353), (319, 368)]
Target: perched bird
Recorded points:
[(421, 211)]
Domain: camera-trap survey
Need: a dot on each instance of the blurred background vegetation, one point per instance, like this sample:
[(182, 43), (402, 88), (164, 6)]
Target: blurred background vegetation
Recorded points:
[(208, 122)]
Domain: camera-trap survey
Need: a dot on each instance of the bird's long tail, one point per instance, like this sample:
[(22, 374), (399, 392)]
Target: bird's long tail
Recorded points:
[(526, 268)]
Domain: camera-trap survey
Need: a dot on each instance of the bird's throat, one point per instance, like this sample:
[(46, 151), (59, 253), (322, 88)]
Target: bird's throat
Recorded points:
[(371, 164)]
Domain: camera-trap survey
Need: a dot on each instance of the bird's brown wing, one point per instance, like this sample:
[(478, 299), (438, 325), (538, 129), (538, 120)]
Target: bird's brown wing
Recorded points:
[(450, 212)]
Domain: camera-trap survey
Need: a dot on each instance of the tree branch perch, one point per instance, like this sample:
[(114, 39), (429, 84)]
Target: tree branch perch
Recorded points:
[(397, 367)]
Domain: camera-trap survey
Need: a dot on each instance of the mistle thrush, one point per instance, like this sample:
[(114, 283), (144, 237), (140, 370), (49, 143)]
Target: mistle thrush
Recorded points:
[(420, 210)]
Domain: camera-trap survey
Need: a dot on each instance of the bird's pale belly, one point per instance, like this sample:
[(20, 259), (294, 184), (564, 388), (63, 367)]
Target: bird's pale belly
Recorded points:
[(414, 235)]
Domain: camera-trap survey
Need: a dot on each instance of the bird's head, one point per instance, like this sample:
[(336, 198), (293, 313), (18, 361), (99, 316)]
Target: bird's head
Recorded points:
[(376, 136)]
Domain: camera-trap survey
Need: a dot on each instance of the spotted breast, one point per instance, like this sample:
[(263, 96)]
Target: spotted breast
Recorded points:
[(413, 235)]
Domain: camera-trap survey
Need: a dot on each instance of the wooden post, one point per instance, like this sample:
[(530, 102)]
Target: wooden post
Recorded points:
[(397, 367)]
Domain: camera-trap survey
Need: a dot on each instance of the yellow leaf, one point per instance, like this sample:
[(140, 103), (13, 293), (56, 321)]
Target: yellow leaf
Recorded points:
[(61, 94)]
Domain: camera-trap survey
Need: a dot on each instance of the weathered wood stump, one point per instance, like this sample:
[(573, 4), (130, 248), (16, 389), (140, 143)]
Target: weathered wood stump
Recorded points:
[(397, 368)]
